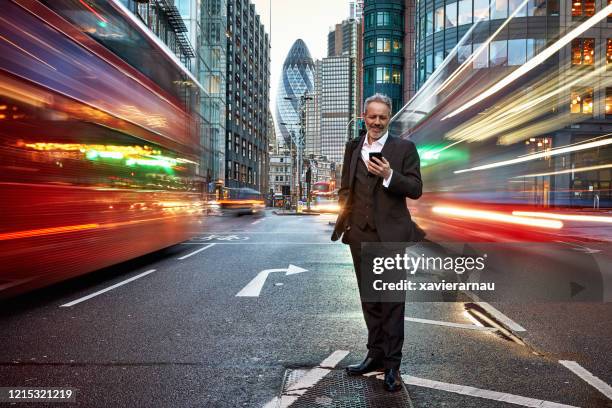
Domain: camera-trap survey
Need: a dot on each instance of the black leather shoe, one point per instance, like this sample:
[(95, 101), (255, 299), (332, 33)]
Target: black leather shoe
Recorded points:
[(393, 380), (366, 366)]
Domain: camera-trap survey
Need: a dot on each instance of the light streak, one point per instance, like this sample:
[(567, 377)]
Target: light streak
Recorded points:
[(565, 217), (497, 217), (88, 7), (46, 231), (533, 62), (575, 170), (541, 155)]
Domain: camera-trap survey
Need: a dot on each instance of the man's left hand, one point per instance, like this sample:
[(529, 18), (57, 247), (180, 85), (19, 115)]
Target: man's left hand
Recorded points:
[(379, 167)]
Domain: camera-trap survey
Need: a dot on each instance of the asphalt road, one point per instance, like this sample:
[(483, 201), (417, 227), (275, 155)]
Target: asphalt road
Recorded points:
[(177, 335)]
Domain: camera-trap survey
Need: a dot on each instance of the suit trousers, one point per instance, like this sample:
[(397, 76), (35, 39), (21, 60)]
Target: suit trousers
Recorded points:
[(384, 320)]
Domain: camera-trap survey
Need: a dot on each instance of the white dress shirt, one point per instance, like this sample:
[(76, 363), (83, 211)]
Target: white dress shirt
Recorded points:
[(375, 147)]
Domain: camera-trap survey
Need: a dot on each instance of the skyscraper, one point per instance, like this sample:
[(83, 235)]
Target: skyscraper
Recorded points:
[(336, 105), (248, 84), (297, 78)]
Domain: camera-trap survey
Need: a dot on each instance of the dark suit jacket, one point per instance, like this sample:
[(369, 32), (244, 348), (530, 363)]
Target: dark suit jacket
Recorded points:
[(391, 216)]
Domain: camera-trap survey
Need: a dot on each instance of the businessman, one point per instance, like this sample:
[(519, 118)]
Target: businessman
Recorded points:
[(373, 198)]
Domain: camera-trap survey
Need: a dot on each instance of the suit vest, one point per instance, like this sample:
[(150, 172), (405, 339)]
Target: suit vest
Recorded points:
[(362, 206)]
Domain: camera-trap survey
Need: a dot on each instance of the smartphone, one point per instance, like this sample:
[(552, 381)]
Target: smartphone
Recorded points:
[(378, 155)]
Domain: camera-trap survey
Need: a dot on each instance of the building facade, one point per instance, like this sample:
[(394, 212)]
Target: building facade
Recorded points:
[(247, 95), (337, 105), (313, 116), (383, 49)]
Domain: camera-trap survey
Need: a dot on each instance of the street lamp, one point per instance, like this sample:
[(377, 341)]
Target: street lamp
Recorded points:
[(348, 126)]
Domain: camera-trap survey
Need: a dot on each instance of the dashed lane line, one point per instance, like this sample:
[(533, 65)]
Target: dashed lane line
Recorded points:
[(306, 382), (481, 393), (592, 380), (450, 324), (195, 252), (84, 298)]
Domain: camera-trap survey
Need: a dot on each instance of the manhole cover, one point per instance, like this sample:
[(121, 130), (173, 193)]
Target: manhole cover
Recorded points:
[(338, 390)]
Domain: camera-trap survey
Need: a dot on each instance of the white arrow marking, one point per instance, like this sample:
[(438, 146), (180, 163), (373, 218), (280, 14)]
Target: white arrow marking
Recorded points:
[(253, 288)]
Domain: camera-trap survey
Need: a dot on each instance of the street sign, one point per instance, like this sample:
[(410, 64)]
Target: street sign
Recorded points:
[(253, 288)]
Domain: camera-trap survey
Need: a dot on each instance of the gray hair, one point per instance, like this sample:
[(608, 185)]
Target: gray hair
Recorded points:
[(378, 97)]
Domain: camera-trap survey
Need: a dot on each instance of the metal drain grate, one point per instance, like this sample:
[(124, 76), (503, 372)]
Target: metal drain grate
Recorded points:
[(338, 390)]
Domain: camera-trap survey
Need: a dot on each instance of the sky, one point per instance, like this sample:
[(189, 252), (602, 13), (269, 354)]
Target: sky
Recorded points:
[(309, 20)]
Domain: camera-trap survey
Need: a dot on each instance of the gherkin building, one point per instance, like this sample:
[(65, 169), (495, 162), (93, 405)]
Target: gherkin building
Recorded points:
[(297, 77)]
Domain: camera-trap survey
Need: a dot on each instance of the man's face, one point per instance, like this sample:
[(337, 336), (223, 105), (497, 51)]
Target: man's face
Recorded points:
[(377, 118)]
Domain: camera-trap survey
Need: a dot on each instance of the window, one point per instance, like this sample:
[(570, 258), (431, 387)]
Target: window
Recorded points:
[(499, 9), (481, 10), (465, 12), (515, 4), (581, 101), (536, 8), (237, 144), (439, 20), (383, 75), (608, 102), (609, 54), (517, 52), (429, 23), (464, 52), (429, 64), (583, 8), (243, 148), (383, 45), (396, 77), (481, 60), (397, 47), (451, 15), (438, 58), (499, 53), (370, 47), (583, 50)]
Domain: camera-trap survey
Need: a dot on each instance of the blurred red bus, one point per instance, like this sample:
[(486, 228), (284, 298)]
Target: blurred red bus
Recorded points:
[(99, 145)]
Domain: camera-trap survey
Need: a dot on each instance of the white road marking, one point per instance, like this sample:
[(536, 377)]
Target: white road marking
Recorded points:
[(511, 324), (254, 287), (450, 324), (309, 380), (256, 222), (74, 302), (480, 393), (594, 381), (195, 252)]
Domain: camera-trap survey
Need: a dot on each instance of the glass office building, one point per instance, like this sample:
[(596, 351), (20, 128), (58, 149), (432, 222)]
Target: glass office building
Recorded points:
[(383, 49)]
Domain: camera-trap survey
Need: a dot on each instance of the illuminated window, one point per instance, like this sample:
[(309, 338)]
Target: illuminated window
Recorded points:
[(396, 77), (608, 101), (581, 100), (397, 47), (383, 75), (451, 15), (383, 45), (583, 8), (465, 12), (609, 54), (439, 20), (583, 52)]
